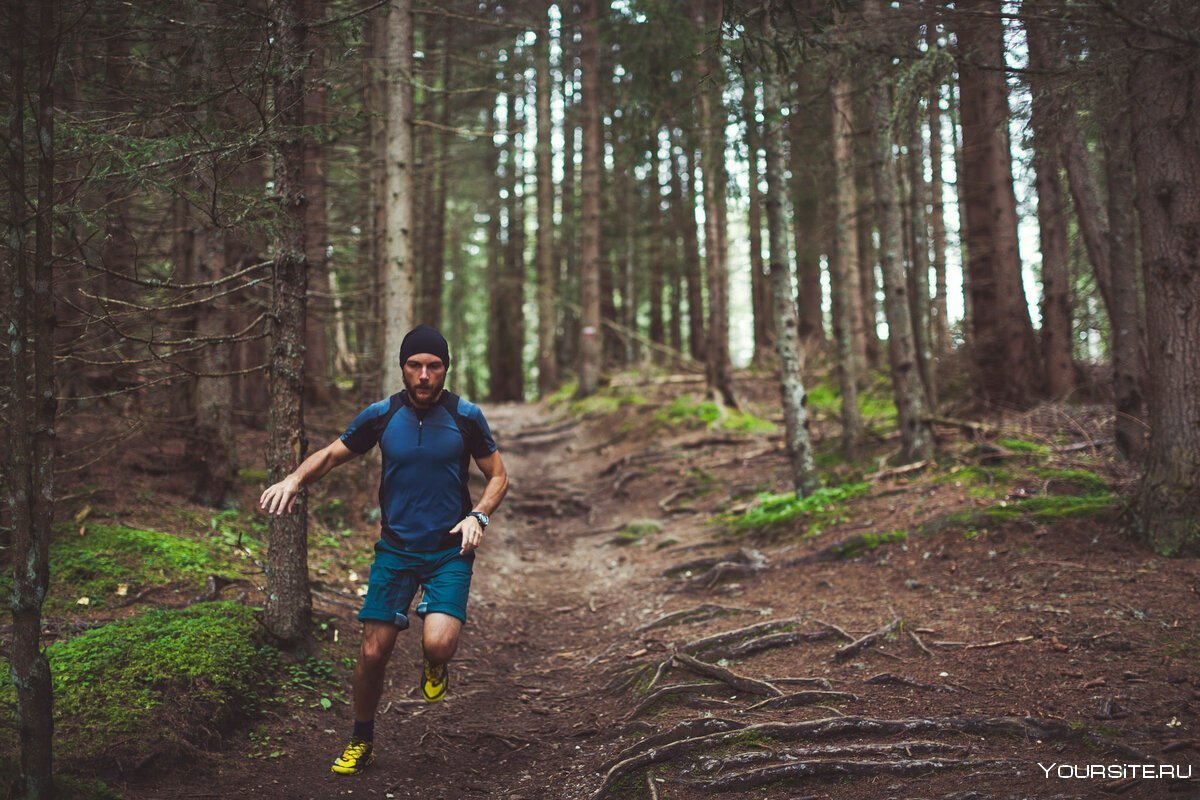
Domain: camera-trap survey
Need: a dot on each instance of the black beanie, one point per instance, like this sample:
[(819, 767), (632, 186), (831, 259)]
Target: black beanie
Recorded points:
[(424, 339)]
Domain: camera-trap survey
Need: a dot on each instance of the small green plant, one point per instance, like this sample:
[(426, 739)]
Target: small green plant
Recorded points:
[(1075, 481), (1022, 446), (688, 412), (636, 530), (773, 511)]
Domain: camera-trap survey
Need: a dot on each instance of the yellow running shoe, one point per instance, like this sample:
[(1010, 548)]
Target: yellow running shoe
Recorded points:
[(357, 756), (434, 681)]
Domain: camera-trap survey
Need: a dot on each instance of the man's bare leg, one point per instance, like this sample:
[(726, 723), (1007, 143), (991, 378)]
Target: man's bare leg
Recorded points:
[(378, 640), (439, 639)]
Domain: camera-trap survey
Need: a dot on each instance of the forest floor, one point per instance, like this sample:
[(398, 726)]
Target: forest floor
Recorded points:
[(1017, 628)]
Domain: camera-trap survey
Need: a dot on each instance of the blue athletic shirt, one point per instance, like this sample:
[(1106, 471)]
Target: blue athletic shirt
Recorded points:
[(426, 463)]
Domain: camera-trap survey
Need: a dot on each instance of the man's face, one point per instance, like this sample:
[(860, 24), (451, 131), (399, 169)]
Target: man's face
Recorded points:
[(424, 377)]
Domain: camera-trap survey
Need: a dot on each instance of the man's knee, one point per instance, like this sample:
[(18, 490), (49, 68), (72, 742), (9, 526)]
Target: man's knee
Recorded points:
[(377, 647)]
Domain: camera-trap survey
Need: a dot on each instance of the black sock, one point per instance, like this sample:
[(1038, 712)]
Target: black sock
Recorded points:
[(364, 730)]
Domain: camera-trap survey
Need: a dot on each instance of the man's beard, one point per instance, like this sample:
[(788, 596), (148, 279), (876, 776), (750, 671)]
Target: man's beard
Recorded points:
[(424, 400)]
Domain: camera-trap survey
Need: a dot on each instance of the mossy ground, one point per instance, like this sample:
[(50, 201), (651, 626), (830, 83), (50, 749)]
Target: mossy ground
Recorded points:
[(106, 563), (775, 512), (157, 683), (690, 412)]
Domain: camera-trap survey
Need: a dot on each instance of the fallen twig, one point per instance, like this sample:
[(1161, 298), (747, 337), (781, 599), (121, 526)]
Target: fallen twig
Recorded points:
[(739, 682), (895, 471), (801, 699), (861, 644), (917, 641), (888, 677), (835, 629), (999, 643)]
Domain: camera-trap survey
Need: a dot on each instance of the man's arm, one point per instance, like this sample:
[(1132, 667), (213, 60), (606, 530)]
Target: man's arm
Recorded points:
[(497, 486), (281, 497)]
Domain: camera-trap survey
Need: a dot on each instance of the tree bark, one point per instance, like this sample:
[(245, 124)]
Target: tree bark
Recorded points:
[(697, 337), (810, 180), (593, 155), (1003, 345), (654, 249), (318, 383), (505, 346), (1165, 114), (843, 261), (568, 239), (1125, 317), (29, 392), (706, 14), (787, 344), (1052, 215), (398, 281), (918, 238), (941, 309), (916, 437), (759, 293), (547, 269), (288, 611)]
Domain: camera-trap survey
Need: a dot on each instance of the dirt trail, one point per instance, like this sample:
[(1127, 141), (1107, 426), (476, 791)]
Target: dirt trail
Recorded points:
[(1019, 643), (522, 705)]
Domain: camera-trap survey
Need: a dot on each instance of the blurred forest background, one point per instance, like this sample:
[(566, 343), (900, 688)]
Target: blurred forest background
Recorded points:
[(224, 215)]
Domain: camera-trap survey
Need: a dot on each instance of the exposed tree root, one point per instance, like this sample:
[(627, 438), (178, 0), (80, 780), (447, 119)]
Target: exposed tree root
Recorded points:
[(739, 682), (684, 738), (907, 748), (859, 645), (700, 646), (676, 689), (835, 629), (807, 698), (694, 614), (900, 680), (720, 572), (785, 681), (768, 642), (762, 776)]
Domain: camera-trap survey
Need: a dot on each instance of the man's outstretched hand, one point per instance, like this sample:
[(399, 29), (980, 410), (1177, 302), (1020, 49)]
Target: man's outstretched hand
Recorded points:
[(472, 533), (280, 498)]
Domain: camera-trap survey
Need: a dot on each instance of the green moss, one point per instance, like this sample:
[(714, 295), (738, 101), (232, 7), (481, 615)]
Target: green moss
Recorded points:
[(1051, 507), (604, 402), (1077, 481), (979, 481), (636, 530), (688, 412), (875, 403), (97, 563), (865, 542), (772, 511), (1022, 446), (564, 393), (150, 683)]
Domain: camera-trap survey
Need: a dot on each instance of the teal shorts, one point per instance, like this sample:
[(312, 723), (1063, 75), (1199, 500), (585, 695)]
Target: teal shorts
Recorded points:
[(444, 577)]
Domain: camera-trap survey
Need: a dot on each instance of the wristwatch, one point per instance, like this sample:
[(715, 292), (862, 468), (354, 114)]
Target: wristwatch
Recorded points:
[(482, 517)]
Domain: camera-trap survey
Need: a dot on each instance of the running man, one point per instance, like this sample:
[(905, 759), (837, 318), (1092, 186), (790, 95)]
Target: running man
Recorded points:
[(429, 527)]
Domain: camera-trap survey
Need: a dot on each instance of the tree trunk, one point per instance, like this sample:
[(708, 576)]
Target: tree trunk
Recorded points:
[(546, 266), (759, 292), (941, 309), (718, 370), (844, 263), (809, 184), (916, 437), (593, 155), (508, 292), (787, 345), (697, 338), (1052, 222), (318, 384), (398, 281), (919, 264), (377, 96), (1124, 315), (1165, 100), (654, 250), (289, 603), (29, 474), (675, 204), (1003, 345), (568, 239)]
